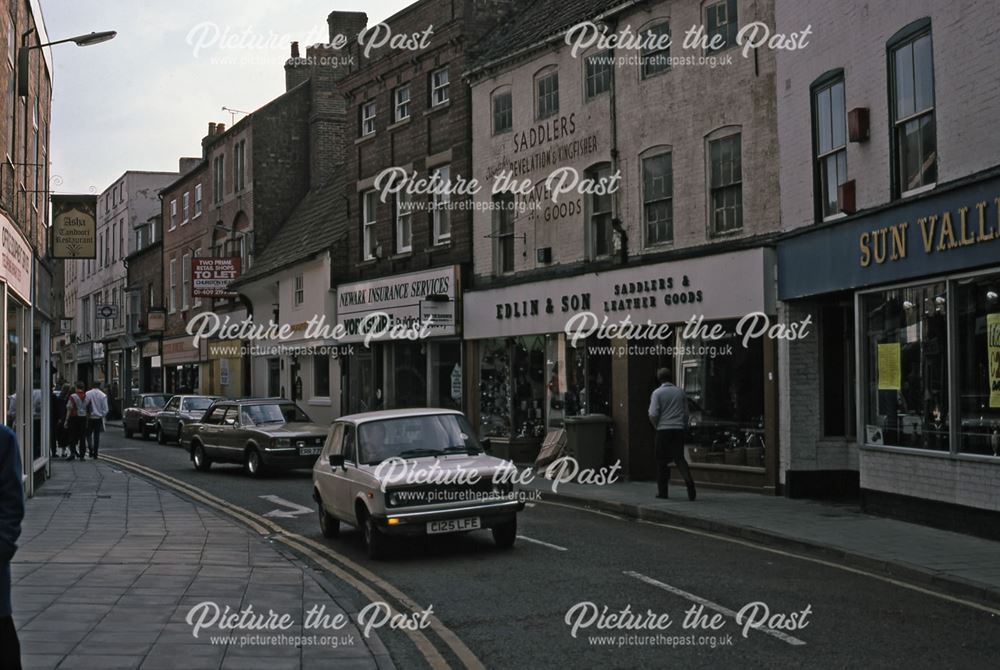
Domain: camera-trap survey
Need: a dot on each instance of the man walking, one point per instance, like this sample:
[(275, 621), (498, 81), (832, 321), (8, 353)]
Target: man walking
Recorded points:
[(97, 406), (76, 422), (11, 514), (668, 412)]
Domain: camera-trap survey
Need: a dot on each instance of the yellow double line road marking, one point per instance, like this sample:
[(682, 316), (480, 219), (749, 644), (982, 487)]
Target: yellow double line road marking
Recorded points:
[(368, 585)]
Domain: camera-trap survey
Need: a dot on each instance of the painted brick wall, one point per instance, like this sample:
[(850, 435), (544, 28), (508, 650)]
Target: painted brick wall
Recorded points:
[(968, 483)]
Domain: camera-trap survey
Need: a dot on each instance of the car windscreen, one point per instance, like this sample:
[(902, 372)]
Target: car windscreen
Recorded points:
[(414, 436), (154, 401), (273, 413), (196, 404)]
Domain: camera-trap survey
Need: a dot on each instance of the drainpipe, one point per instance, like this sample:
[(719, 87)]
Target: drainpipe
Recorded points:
[(619, 238)]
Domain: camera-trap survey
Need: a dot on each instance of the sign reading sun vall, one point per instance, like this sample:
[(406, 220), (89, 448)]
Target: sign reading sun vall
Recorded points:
[(74, 226)]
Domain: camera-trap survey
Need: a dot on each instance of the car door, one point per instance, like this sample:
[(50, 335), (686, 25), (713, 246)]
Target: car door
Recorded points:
[(324, 475), (210, 429), (168, 416), (343, 478)]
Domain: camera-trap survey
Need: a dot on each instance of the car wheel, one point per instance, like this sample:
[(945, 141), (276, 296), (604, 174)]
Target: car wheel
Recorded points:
[(375, 541), (328, 524), (201, 461), (160, 436), (252, 463), (505, 534)]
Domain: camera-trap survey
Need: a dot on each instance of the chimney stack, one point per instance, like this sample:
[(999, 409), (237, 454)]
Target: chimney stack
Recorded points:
[(295, 49), (220, 128), (211, 128)]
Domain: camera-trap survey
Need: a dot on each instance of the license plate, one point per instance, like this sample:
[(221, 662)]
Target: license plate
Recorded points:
[(310, 451), (453, 525)]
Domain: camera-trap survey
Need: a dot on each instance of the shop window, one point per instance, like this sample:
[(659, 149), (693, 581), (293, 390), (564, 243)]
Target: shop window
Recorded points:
[(598, 73), (273, 377), (906, 357), (914, 136), (503, 111), (978, 362), (547, 94), (494, 388), (656, 49), (446, 375), (599, 213), (503, 232), (321, 376), (512, 387), (658, 197), (830, 142), (726, 184)]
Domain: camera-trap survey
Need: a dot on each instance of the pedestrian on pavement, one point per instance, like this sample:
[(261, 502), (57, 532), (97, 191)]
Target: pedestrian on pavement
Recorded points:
[(668, 412), (11, 515), (76, 422), (97, 409), (59, 416)]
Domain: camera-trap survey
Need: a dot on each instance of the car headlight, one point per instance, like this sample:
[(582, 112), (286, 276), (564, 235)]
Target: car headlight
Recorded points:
[(281, 443), (392, 498)]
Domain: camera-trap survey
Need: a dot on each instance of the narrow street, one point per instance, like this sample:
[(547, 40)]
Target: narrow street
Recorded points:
[(510, 608)]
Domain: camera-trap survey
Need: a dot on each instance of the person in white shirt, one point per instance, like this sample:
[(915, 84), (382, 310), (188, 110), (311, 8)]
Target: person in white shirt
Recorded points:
[(97, 409)]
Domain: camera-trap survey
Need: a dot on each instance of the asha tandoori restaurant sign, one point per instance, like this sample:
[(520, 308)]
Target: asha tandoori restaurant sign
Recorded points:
[(74, 226)]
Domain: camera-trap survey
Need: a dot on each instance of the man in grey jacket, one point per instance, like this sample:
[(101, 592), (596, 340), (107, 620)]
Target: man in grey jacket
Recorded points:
[(11, 514), (668, 412)]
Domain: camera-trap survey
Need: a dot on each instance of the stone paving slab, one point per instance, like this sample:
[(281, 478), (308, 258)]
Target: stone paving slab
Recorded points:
[(962, 565), (109, 566)]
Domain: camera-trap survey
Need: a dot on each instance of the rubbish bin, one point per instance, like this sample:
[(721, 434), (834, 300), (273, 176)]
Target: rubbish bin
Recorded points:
[(585, 439)]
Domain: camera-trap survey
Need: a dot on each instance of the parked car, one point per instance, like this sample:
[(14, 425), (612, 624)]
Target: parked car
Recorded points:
[(440, 450), (140, 416), (260, 434), (181, 409)]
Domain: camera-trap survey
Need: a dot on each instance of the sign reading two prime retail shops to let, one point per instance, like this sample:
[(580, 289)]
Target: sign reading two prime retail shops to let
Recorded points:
[(74, 226), (211, 277)]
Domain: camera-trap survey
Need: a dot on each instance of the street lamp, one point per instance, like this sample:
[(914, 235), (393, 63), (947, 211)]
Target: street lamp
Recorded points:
[(22, 55)]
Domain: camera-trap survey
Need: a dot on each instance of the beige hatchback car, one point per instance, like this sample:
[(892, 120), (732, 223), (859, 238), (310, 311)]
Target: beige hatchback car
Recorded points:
[(413, 472)]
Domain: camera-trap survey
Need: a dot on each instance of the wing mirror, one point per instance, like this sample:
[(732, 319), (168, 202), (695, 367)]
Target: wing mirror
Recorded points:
[(336, 460), (230, 422)]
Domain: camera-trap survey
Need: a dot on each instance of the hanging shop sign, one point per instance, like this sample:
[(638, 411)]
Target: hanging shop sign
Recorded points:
[(721, 286), (74, 227), (211, 277), (15, 259), (409, 299)]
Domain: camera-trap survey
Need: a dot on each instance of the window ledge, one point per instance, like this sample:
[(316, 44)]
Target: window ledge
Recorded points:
[(440, 245), (399, 124), (917, 191), (401, 254), (365, 138), (440, 107)]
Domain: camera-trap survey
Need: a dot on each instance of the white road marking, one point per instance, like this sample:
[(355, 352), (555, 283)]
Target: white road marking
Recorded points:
[(528, 504), (584, 509), (544, 544), (784, 637), (294, 509)]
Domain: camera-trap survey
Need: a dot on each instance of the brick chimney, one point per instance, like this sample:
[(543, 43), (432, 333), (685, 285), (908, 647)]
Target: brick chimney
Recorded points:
[(296, 71), (214, 129), (348, 24)]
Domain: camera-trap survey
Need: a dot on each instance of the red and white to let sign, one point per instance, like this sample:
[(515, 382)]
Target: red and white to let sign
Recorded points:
[(211, 277)]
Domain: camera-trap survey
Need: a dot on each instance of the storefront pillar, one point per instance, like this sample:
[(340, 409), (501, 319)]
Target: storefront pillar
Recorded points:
[(772, 448)]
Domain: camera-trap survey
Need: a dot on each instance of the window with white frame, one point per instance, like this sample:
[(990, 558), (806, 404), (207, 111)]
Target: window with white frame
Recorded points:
[(599, 212), (240, 165), (658, 197), (173, 214), (439, 87), (441, 204), (547, 94), (185, 207), (404, 222), (185, 280), (721, 25), (368, 118), (503, 111), (503, 232), (597, 73), (197, 200), (656, 49), (172, 297), (299, 295), (830, 138), (369, 204), (218, 177), (197, 300), (401, 106), (913, 119), (725, 184)]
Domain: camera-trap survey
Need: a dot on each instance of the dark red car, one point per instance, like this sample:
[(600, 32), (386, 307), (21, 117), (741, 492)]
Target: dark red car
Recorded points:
[(140, 416)]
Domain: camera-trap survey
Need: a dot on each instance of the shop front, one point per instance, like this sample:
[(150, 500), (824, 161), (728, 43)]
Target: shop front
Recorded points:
[(924, 277), (182, 363), (224, 369), (150, 367), (393, 370), (591, 344)]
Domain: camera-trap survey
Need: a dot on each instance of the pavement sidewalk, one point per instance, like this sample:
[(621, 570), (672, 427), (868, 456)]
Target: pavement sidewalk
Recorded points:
[(110, 565), (961, 565)]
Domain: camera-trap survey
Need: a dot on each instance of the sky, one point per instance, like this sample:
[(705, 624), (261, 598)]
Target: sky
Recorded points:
[(144, 99)]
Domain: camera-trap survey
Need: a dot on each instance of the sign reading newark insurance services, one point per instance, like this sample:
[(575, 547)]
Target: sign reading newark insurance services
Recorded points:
[(15, 259), (211, 277), (74, 226), (408, 300), (722, 286)]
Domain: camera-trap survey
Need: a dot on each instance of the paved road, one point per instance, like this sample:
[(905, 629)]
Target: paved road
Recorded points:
[(510, 608)]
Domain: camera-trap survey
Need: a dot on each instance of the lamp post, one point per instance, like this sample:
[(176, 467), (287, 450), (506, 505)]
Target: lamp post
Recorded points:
[(22, 55)]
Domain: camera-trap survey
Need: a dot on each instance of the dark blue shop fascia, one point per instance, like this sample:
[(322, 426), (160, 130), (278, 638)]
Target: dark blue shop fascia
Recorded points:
[(911, 239)]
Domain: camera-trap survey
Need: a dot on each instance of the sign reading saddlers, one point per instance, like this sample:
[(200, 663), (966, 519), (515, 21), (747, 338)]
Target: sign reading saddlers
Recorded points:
[(211, 277)]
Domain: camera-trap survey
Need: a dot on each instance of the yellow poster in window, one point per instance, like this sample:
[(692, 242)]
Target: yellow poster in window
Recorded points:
[(888, 367), (993, 357)]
